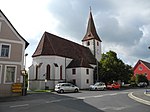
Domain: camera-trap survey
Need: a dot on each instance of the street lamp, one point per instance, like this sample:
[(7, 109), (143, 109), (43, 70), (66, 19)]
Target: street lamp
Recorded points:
[(45, 84), (25, 60), (23, 72)]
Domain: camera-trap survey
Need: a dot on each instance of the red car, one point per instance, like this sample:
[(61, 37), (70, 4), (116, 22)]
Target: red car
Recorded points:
[(113, 86)]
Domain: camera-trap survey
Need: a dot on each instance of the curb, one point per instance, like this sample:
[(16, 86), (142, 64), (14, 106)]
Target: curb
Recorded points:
[(138, 99), (146, 94)]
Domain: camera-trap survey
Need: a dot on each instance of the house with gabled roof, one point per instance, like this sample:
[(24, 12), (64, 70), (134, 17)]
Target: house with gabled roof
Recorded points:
[(60, 60), (142, 67), (12, 49)]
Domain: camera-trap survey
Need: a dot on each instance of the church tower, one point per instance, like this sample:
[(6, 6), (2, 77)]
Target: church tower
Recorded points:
[(91, 39)]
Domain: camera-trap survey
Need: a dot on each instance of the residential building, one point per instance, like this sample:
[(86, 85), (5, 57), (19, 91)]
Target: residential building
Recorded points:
[(59, 60), (142, 67), (12, 49)]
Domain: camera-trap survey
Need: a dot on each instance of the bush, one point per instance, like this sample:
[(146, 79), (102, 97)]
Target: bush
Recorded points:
[(141, 78)]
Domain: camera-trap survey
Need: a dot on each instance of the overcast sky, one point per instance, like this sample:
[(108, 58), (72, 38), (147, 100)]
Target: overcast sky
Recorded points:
[(123, 25)]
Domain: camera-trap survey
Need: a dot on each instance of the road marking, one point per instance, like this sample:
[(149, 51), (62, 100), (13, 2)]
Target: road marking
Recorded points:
[(85, 97), (112, 108), (54, 101), (138, 99), (97, 96), (14, 106)]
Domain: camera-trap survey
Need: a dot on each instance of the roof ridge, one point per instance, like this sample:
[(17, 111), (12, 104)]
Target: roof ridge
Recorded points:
[(67, 40), (50, 44)]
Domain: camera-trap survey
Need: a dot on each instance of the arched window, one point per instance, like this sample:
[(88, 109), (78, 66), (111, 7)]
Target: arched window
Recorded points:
[(61, 72), (97, 43), (48, 72), (88, 43)]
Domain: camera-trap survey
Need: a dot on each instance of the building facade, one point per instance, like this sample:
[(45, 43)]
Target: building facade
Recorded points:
[(142, 67), (12, 48), (59, 60)]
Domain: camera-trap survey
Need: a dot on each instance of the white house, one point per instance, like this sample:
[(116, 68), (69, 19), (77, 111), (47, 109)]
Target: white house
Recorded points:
[(57, 60)]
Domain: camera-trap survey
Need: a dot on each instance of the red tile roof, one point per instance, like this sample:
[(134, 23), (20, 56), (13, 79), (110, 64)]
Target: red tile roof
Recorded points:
[(91, 30), (53, 45)]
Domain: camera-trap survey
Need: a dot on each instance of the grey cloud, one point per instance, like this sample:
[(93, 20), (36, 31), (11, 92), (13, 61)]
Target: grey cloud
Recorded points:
[(117, 22)]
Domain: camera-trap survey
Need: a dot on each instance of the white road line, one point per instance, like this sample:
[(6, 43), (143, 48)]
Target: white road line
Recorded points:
[(138, 99), (54, 101), (113, 108), (97, 96), (14, 106)]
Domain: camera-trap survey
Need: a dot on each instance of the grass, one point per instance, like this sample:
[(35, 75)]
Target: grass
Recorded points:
[(39, 91)]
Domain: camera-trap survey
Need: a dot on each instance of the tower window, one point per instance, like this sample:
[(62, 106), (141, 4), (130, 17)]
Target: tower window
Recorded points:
[(89, 35), (87, 71), (88, 43), (97, 43)]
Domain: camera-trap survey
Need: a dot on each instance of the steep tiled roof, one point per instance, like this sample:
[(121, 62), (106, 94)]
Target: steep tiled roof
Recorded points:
[(91, 30), (26, 43), (53, 45), (79, 63)]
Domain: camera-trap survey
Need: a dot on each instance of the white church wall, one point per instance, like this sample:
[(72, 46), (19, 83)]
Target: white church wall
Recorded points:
[(42, 62), (85, 77), (81, 77), (76, 76)]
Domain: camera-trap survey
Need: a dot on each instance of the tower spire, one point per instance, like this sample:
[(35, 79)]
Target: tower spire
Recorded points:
[(91, 32), (90, 9)]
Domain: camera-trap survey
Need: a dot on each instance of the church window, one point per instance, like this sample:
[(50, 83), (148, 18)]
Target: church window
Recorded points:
[(87, 81), (87, 71), (36, 73), (88, 43), (48, 72), (73, 71), (97, 43), (61, 72)]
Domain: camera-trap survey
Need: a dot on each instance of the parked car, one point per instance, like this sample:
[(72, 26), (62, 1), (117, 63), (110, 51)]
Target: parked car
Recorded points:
[(66, 87), (113, 86), (98, 86), (142, 84)]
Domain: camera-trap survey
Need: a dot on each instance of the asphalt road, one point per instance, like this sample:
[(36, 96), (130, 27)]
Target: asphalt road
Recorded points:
[(85, 101)]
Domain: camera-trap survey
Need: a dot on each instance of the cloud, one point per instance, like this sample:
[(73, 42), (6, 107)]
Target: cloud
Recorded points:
[(124, 26)]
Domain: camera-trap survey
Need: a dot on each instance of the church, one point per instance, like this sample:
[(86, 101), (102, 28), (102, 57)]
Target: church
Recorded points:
[(60, 60)]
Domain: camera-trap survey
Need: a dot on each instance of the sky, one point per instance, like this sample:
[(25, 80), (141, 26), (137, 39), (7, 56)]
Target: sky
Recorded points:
[(123, 25)]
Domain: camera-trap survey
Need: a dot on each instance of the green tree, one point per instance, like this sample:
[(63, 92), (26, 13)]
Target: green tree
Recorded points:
[(112, 69), (141, 78)]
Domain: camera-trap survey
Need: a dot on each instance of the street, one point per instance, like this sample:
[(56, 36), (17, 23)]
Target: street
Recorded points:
[(84, 101)]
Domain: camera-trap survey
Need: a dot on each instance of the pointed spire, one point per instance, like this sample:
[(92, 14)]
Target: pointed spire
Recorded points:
[(91, 30)]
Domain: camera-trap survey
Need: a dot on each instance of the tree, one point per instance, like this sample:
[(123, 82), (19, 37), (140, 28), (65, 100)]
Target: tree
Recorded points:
[(141, 78), (112, 69)]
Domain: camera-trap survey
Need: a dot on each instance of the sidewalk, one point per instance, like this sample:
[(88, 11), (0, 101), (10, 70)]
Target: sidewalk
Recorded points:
[(141, 96)]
